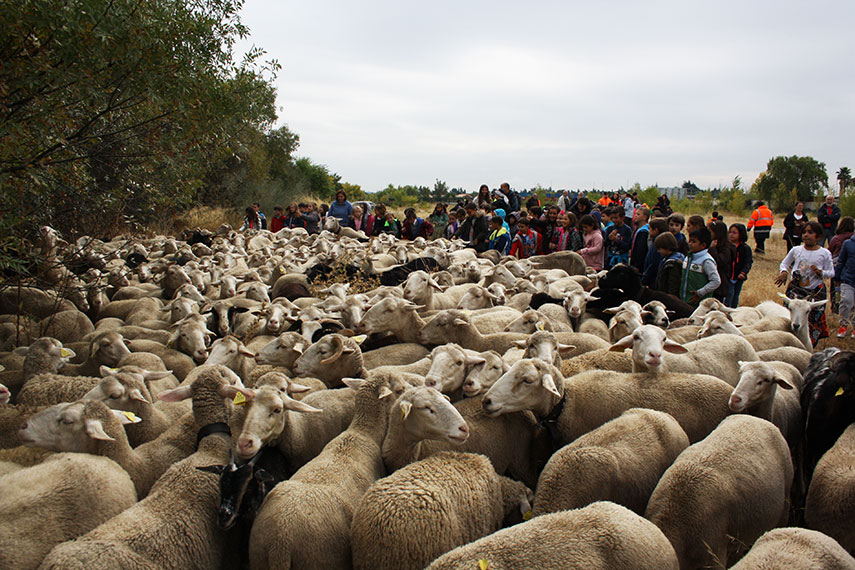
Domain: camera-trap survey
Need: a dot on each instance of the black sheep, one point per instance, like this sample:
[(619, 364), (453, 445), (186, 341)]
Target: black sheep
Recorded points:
[(623, 283), (398, 274), (828, 402)]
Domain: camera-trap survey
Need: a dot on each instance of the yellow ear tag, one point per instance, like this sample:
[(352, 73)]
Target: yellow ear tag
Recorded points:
[(839, 392), (65, 353), (131, 416), (539, 326), (240, 399), (113, 370), (281, 269), (360, 338), (403, 414), (483, 564), (527, 516)]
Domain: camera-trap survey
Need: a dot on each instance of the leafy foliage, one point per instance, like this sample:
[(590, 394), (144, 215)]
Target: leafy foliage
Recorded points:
[(788, 179)]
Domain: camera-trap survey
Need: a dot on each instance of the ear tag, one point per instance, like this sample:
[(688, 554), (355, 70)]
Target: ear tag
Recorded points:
[(360, 338), (403, 414), (240, 399), (839, 392), (114, 370), (132, 417), (281, 269), (527, 515), (539, 326), (483, 564), (65, 353)]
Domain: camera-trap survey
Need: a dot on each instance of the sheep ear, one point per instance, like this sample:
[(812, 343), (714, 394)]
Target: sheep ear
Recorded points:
[(475, 360), (176, 394), (232, 390), (243, 350), (622, 344), (565, 348), (136, 395), (298, 406), (106, 370), (460, 322), (95, 430), (155, 374), (126, 417), (406, 407), (782, 383), (385, 392), (294, 388), (611, 310), (674, 347), (817, 304), (215, 469), (520, 343), (784, 298), (353, 383), (549, 384)]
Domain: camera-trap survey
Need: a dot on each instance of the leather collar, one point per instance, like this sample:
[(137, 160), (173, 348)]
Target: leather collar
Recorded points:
[(216, 427)]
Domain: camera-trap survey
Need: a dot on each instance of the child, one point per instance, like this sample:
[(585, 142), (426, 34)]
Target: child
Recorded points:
[(527, 242), (693, 223), (675, 224), (457, 217), (512, 225), (742, 259), (640, 241), (619, 239), (653, 260), (567, 237), (700, 273), (670, 268), (845, 273), (810, 264), (592, 253), (499, 237)]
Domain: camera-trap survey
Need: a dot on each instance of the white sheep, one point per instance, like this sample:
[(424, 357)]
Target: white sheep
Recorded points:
[(796, 548), (757, 393), (484, 374), (60, 499), (422, 289), (330, 359), (394, 315), (620, 461), (602, 536), (575, 406), (427, 508), (449, 366), (731, 487), (831, 496)]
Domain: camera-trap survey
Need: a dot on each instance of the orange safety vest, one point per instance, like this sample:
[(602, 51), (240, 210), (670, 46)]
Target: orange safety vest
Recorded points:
[(604, 201), (761, 217)]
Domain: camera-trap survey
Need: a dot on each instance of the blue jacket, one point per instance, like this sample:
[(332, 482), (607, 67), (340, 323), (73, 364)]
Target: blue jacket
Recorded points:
[(342, 212), (652, 262), (844, 269)]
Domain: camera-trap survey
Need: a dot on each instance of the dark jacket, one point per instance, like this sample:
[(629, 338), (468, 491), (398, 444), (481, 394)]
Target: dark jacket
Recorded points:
[(384, 226), (793, 229), (312, 220), (845, 268), (638, 253), (828, 216), (670, 271), (651, 266), (742, 260), (723, 257), (478, 228)]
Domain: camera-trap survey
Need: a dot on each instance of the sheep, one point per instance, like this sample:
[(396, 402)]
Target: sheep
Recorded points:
[(655, 313), (330, 359), (715, 356), (63, 498), (232, 353), (50, 389), (530, 321), (32, 301), (623, 323), (482, 375), (795, 548), (420, 287), (757, 394), (449, 366), (477, 297), (799, 310), (154, 372), (428, 508), (569, 261), (601, 359), (44, 356), (770, 332), (831, 496), (305, 521), (300, 429), (570, 408), (394, 355), (105, 349), (283, 351), (180, 363), (797, 357), (191, 336), (456, 326), (732, 486), (623, 283), (620, 461), (740, 315), (176, 525), (66, 326), (602, 536)]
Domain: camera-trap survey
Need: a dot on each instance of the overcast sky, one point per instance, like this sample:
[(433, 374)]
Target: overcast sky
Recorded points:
[(565, 94)]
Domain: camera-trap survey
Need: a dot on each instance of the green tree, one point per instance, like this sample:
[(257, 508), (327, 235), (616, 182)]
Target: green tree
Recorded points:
[(844, 177), (783, 174), (315, 179), (440, 190)]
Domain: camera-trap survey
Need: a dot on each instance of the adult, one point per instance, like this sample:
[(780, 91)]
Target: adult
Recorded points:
[(262, 218), (533, 201), (628, 209), (512, 197), (794, 225), (439, 219), (251, 221), (565, 202), (808, 265), (415, 226), (474, 229), (310, 216), (277, 222), (828, 216), (845, 274), (341, 209), (483, 199), (761, 220)]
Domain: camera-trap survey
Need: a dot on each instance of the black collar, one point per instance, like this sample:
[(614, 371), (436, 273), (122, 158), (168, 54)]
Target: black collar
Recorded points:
[(550, 422), (216, 427)]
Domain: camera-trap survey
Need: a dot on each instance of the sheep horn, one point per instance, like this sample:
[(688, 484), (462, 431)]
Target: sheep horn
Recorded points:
[(339, 349)]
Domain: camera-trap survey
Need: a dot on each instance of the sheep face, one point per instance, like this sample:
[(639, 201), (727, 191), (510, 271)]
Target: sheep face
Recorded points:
[(527, 323), (266, 417), (228, 351), (427, 414), (717, 322), (544, 346), (529, 385), (316, 359), (66, 427), (282, 351), (483, 375), (379, 316), (654, 313), (576, 302), (191, 337), (623, 324), (476, 297), (4, 395), (449, 364), (47, 355), (122, 391), (757, 383), (446, 326), (109, 349), (419, 287), (704, 308), (647, 343), (799, 310)]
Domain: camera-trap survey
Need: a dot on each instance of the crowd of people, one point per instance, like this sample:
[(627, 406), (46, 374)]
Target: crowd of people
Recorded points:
[(692, 258)]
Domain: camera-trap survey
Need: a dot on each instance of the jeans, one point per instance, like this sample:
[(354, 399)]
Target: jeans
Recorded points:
[(847, 304), (733, 292)]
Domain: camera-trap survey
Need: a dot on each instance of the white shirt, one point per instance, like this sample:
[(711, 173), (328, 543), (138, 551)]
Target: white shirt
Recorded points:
[(800, 259)]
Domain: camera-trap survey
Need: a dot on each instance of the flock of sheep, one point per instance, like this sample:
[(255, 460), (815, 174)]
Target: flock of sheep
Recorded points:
[(283, 400)]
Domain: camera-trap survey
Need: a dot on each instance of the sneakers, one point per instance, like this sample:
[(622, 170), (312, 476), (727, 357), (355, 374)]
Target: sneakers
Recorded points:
[(841, 332)]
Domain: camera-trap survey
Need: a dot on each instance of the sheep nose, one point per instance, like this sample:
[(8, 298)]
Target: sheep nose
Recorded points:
[(430, 382), (24, 425), (464, 428), (735, 399), (486, 403)]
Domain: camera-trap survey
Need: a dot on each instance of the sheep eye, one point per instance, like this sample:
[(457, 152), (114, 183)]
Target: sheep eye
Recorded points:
[(66, 421), (459, 363), (277, 410), (528, 380), (115, 396)]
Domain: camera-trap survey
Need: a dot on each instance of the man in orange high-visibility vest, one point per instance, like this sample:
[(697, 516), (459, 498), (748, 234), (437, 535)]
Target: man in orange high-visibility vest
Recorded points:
[(761, 220)]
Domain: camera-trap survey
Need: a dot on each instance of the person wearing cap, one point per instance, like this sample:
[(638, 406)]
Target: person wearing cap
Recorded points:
[(474, 229)]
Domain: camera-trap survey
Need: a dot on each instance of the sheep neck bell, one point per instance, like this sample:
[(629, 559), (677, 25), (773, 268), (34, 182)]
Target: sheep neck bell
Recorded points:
[(550, 422), (216, 427)]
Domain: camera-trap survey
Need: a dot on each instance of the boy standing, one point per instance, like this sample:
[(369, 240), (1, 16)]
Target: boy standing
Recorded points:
[(653, 259), (668, 270), (619, 239), (676, 222), (700, 276), (527, 242), (638, 251), (499, 238)]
